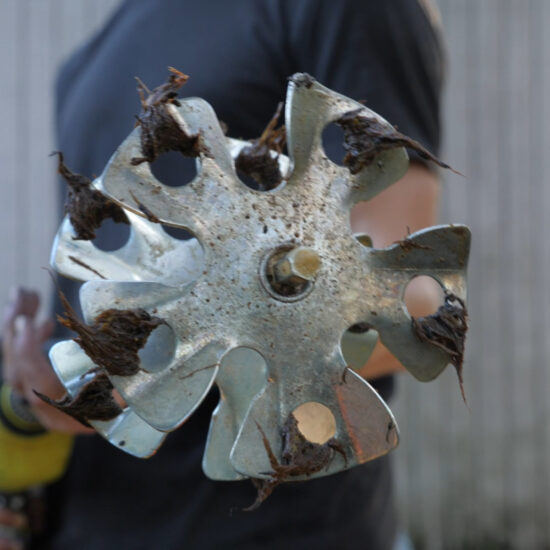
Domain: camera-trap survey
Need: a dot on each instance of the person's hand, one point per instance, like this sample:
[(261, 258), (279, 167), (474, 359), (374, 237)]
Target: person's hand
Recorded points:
[(26, 368), (11, 522)]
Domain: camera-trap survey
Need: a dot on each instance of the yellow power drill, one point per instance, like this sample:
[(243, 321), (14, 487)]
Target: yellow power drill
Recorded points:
[(30, 456)]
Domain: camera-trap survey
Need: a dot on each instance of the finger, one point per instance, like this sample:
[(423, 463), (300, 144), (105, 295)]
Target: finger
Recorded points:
[(8, 337), (23, 302), (25, 365), (29, 302), (9, 367), (22, 350), (27, 339)]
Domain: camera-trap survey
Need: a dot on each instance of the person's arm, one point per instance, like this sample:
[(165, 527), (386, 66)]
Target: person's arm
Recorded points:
[(408, 205)]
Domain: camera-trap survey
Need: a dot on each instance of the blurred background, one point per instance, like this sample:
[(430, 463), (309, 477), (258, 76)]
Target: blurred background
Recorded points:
[(466, 478)]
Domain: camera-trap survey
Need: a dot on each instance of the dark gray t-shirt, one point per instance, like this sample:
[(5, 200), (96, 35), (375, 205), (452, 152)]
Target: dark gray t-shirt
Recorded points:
[(239, 54)]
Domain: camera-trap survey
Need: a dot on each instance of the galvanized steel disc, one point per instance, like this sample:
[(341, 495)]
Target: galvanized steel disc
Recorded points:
[(228, 322)]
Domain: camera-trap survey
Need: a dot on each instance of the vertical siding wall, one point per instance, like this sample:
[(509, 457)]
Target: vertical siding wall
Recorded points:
[(35, 36), (465, 478), (482, 476)]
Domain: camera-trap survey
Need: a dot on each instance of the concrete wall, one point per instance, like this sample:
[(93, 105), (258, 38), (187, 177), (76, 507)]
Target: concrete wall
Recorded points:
[(466, 478)]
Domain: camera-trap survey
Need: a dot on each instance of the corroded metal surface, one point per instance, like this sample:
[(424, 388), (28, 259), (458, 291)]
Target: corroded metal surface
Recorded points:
[(226, 322)]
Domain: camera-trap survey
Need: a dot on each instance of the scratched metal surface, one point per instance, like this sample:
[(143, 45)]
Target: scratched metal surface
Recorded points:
[(220, 299)]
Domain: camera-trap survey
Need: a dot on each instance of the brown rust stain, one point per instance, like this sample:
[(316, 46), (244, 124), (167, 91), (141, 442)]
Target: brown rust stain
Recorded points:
[(348, 421)]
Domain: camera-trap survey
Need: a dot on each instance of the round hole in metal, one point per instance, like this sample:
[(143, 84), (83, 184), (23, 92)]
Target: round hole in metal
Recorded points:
[(159, 349), (423, 296), (315, 422)]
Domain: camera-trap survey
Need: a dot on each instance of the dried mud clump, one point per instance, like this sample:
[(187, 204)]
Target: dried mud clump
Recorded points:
[(86, 207), (160, 132), (114, 339), (112, 343), (365, 137), (257, 160), (94, 401), (299, 457), (446, 329)]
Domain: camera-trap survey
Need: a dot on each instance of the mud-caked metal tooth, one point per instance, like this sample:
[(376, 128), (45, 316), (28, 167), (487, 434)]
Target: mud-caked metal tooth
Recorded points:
[(310, 108), (127, 431), (180, 371), (184, 207), (131, 186), (440, 252), (351, 401), (441, 248)]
